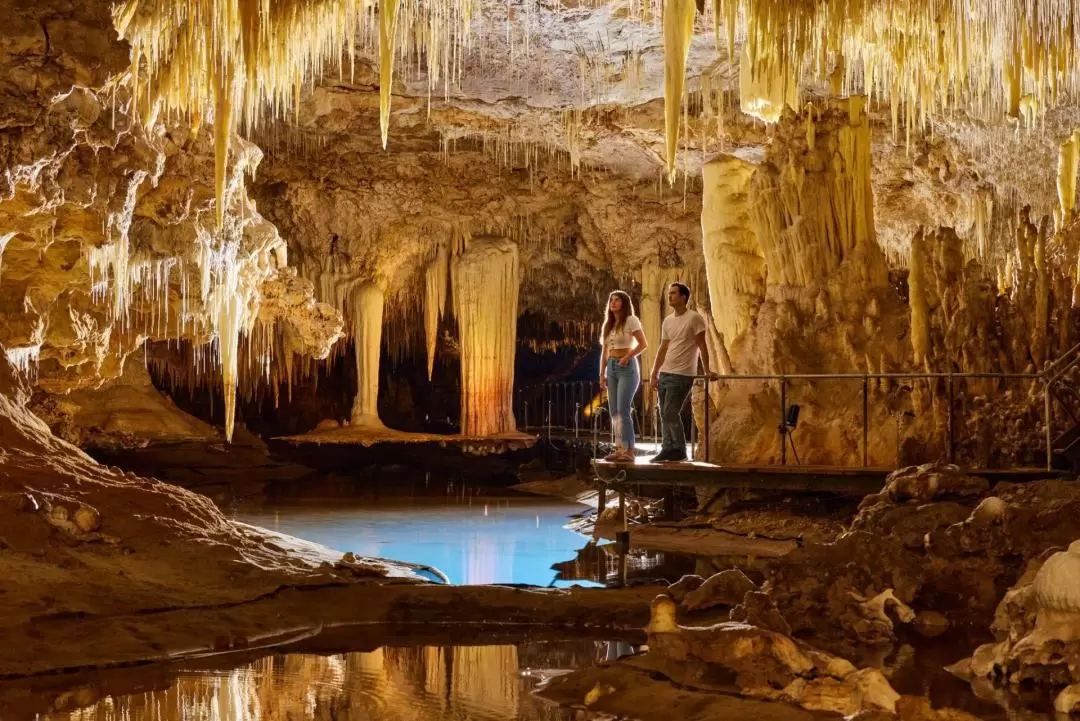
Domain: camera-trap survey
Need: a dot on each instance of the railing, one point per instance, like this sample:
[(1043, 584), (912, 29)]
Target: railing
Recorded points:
[(579, 408), (561, 406)]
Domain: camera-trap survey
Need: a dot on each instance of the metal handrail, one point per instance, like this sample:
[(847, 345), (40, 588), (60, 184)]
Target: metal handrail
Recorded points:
[(1050, 374)]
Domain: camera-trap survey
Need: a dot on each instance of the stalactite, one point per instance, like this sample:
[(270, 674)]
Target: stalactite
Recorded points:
[(651, 312), (1068, 165), (983, 213), (733, 261), (485, 278), (767, 84), (678, 32), (920, 314), (223, 130), (366, 304), (388, 14), (435, 285), (1042, 302)]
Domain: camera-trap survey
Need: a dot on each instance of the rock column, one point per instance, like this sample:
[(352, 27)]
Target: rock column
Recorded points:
[(366, 303), (733, 261), (485, 280)]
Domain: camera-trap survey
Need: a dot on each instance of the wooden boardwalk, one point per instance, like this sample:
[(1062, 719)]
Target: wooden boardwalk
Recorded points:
[(806, 478)]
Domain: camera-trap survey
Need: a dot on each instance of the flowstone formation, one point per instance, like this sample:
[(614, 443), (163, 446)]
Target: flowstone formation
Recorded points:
[(797, 280), (485, 278), (799, 283)]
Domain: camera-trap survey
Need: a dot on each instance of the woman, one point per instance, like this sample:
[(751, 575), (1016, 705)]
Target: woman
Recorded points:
[(623, 340)]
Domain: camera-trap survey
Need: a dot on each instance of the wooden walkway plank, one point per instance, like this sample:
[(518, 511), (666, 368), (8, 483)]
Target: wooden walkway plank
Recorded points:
[(807, 478)]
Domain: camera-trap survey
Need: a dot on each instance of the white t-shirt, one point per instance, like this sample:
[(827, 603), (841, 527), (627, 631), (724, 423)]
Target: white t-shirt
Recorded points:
[(681, 331), (623, 337)]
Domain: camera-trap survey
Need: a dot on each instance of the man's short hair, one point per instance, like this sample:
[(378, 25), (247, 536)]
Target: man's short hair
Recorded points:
[(683, 288)]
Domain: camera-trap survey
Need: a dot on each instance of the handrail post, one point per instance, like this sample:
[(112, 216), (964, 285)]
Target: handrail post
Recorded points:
[(951, 438), (596, 434), (577, 414), (560, 404), (865, 420), (705, 453), (526, 415), (1049, 423), (783, 420)]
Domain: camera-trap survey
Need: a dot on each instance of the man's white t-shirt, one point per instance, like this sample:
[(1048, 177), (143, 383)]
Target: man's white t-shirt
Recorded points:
[(681, 331)]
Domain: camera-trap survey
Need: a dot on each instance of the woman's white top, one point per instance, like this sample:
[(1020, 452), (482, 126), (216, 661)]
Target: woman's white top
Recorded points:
[(623, 337)]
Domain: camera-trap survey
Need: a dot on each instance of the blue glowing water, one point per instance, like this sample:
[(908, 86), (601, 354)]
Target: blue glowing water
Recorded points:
[(472, 539)]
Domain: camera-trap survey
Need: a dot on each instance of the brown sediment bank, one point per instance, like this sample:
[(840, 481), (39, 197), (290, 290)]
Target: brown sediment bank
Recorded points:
[(291, 615)]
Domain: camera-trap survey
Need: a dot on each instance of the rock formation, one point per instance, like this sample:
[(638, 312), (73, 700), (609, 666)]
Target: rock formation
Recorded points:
[(229, 192), (485, 279)]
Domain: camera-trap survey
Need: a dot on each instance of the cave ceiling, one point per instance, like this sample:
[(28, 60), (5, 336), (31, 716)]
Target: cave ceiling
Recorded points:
[(540, 121)]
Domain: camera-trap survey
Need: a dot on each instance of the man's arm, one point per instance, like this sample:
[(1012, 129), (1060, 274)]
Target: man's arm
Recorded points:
[(703, 348), (661, 352)]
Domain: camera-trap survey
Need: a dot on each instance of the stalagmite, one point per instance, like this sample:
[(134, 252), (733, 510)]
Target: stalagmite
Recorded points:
[(388, 13), (920, 321), (733, 261), (484, 280), (366, 303), (435, 280), (678, 32)]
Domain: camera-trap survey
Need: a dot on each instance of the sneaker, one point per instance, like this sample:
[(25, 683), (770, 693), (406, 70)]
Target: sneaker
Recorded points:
[(661, 457), (674, 457)]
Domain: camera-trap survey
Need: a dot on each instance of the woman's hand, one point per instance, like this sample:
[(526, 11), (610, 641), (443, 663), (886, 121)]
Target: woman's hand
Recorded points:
[(603, 382), (625, 360)]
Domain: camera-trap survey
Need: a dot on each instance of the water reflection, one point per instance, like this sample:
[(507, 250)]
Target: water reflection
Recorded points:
[(455, 683), (474, 540)]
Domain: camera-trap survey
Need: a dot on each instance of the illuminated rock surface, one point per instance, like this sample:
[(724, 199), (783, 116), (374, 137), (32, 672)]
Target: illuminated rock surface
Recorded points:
[(241, 194)]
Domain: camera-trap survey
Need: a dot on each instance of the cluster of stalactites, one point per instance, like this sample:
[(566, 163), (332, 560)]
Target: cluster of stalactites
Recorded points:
[(814, 205), (1011, 57), (219, 290)]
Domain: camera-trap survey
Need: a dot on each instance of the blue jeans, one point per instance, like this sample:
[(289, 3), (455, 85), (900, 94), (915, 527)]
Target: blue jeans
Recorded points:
[(673, 390), (622, 385)]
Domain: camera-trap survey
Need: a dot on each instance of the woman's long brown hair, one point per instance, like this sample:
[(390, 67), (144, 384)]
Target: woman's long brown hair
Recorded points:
[(611, 322)]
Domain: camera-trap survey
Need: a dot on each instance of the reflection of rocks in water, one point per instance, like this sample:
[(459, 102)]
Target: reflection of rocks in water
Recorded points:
[(739, 671), (389, 684), (1036, 657), (600, 563)]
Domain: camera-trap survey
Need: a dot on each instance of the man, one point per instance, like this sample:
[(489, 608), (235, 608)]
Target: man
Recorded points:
[(682, 340)]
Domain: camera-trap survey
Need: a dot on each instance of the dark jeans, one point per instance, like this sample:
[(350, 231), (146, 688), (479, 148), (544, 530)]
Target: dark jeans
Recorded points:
[(673, 391)]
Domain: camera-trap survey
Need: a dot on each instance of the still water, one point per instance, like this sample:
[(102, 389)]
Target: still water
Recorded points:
[(427, 683), (472, 535)]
